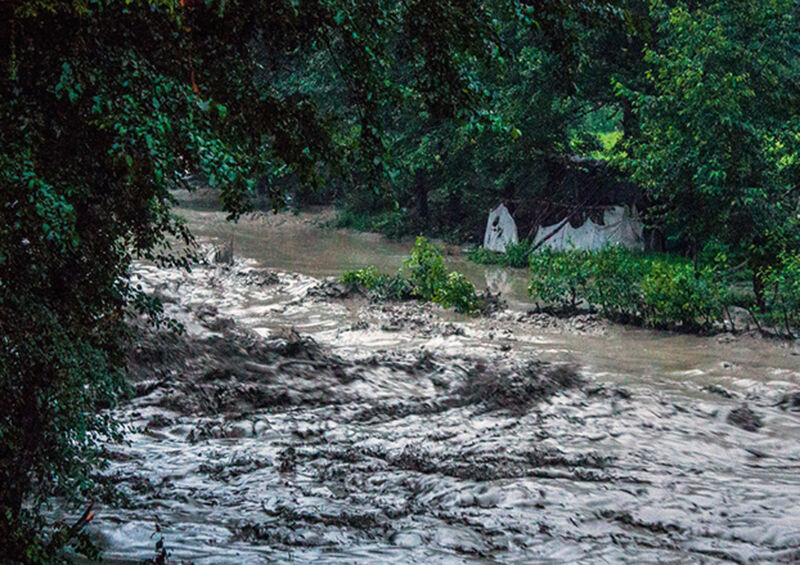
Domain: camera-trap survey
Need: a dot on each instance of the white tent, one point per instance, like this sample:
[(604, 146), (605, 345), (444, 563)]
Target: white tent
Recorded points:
[(621, 226), (500, 230)]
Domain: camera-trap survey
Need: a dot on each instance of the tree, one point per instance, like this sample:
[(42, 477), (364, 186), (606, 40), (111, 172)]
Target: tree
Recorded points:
[(718, 136)]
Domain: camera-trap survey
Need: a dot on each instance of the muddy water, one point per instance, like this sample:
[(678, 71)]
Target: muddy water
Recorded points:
[(404, 434), (295, 243)]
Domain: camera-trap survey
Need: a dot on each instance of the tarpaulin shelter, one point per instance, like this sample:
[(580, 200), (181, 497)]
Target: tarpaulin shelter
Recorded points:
[(500, 230), (621, 226)]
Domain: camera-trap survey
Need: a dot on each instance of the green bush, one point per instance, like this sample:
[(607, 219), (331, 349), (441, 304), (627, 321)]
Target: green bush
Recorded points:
[(783, 292), (615, 276), (457, 292), (653, 290), (366, 277), (427, 280), (390, 223), (517, 255), (425, 268), (560, 278), (483, 256), (681, 294), (379, 284)]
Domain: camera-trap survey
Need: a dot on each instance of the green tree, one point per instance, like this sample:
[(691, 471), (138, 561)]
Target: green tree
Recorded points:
[(718, 137), (546, 81)]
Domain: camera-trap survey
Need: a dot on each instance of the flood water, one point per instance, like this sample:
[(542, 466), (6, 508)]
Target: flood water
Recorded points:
[(296, 244), (293, 425)]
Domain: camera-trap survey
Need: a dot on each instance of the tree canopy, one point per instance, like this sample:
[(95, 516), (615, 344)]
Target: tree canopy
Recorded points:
[(718, 137)]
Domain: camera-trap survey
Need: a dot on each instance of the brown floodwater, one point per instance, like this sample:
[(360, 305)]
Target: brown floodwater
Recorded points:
[(360, 438), (301, 244), (296, 243)]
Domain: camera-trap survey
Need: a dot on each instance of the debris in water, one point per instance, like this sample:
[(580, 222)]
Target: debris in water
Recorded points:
[(517, 391), (745, 418)]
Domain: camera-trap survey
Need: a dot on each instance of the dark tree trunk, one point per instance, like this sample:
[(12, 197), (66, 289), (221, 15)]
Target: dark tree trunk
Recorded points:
[(758, 288), (629, 121), (421, 183), (510, 197)]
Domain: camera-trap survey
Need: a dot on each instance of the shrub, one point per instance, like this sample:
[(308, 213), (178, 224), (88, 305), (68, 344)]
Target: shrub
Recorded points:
[(653, 290), (379, 284), (427, 279), (616, 274), (366, 277), (426, 269), (783, 291), (681, 294), (457, 292), (390, 223), (517, 255), (560, 278), (483, 256)]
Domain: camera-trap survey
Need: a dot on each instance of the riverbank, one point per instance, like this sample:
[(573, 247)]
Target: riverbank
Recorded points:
[(287, 425), (308, 242)]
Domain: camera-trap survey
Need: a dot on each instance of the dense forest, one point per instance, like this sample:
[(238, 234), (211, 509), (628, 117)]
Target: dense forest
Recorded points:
[(412, 116)]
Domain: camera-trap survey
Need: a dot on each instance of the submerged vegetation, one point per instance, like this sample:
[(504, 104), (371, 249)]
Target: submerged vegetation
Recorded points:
[(423, 276)]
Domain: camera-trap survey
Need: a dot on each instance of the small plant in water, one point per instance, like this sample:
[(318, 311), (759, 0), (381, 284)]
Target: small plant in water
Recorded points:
[(422, 276), (426, 270)]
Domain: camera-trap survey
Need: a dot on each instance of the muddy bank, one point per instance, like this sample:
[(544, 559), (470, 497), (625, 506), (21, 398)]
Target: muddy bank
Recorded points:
[(307, 242), (289, 426)]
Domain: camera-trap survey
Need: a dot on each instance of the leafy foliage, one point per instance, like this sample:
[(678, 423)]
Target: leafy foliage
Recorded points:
[(386, 287), (517, 255), (560, 278), (678, 293), (656, 290), (695, 102), (783, 293), (425, 269), (545, 77), (423, 276), (718, 139), (616, 275), (662, 290), (457, 292)]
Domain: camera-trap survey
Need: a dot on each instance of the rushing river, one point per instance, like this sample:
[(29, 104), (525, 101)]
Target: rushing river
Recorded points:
[(291, 424)]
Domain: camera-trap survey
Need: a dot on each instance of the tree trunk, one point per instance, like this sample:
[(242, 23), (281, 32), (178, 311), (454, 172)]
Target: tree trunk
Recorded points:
[(421, 183), (758, 289)]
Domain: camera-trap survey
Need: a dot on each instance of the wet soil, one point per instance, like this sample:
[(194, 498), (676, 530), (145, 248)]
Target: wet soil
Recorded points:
[(290, 425)]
